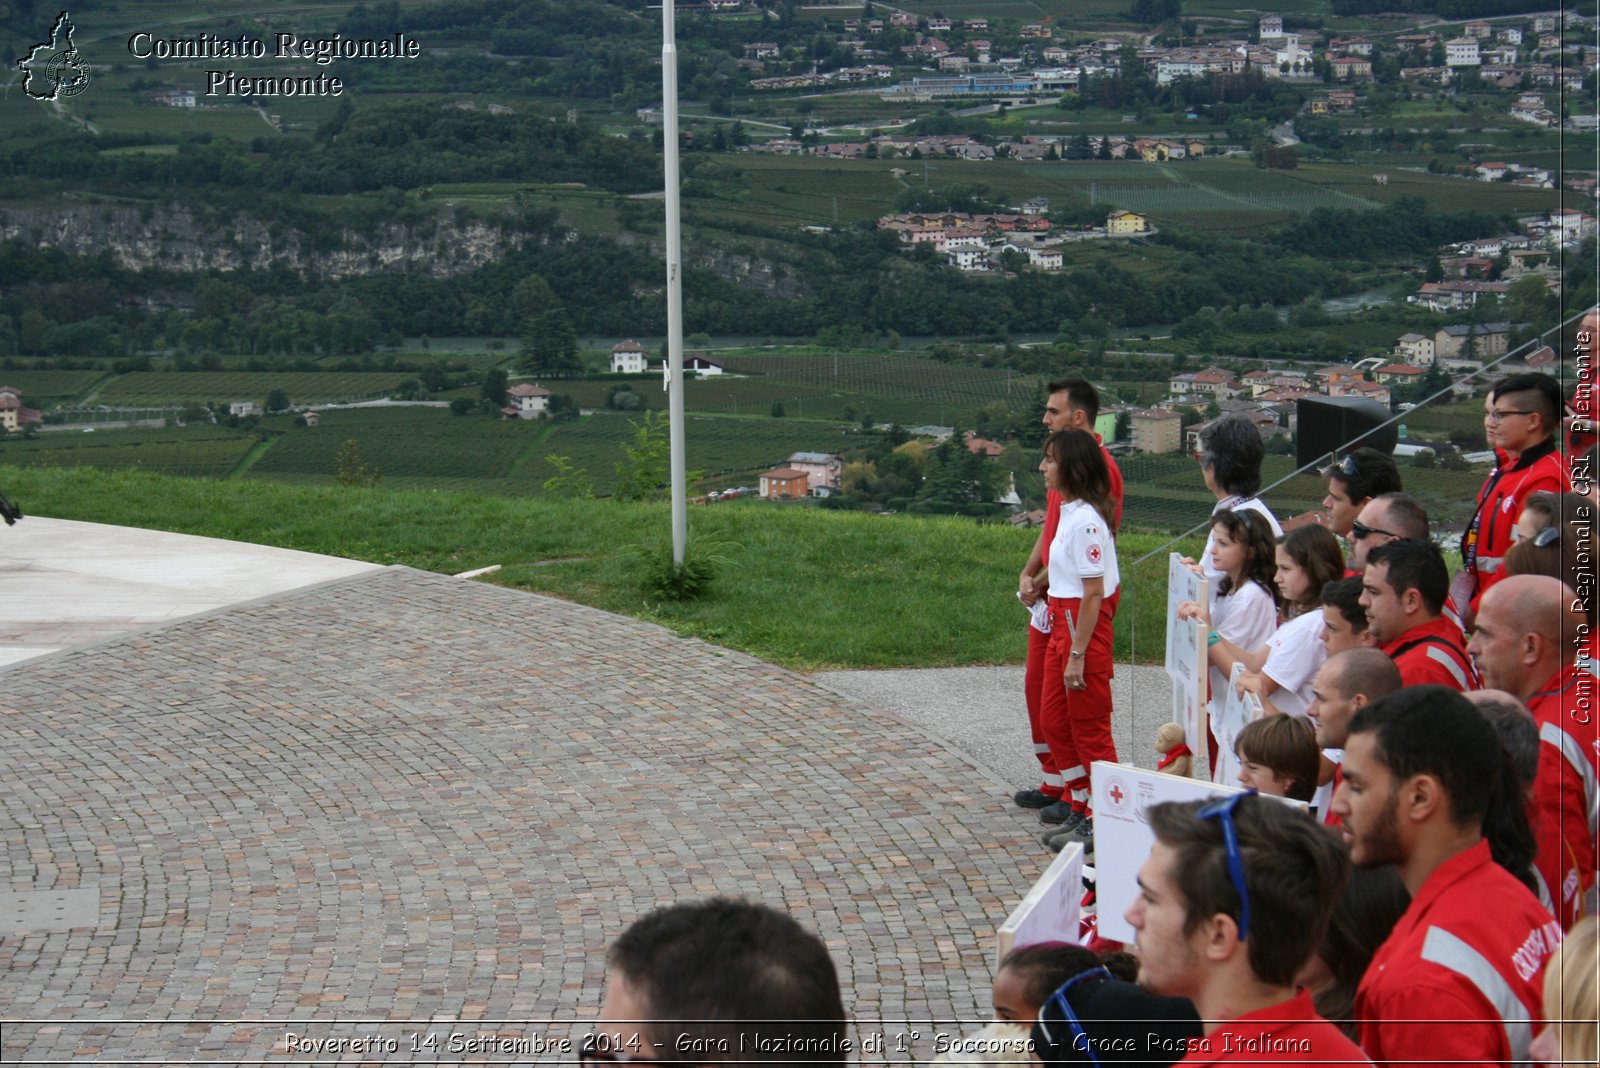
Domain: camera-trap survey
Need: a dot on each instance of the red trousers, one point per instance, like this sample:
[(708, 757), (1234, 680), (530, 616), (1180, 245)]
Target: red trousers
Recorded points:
[(1076, 724), (1033, 685)]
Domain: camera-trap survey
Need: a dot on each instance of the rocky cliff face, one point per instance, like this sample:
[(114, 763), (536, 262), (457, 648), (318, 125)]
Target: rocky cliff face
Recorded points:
[(187, 239), (177, 238)]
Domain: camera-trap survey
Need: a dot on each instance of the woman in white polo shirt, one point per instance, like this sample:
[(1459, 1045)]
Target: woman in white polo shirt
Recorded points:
[(1076, 714)]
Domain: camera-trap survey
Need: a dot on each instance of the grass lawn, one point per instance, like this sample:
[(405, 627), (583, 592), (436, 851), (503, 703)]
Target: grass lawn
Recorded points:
[(805, 588)]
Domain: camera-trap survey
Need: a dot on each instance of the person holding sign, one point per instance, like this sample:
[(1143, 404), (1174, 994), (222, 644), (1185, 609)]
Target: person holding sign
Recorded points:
[(1082, 566), (1242, 615)]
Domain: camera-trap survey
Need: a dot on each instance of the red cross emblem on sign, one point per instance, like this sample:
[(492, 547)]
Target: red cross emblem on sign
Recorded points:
[(1094, 554), (1116, 794)]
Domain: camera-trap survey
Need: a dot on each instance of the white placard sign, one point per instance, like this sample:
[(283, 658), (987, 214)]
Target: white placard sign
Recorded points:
[(1049, 912), (1233, 713), (1122, 838), (1186, 652)]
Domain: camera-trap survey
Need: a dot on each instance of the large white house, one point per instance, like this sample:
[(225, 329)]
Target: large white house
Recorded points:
[(527, 402), (628, 358)]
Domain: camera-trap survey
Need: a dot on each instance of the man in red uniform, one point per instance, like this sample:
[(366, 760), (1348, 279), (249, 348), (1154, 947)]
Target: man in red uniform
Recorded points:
[(1459, 980), (1233, 900), (1403, 590), (1520, 419), (1387, 517), (1072, 404), (1347, 682), (1519, 648)]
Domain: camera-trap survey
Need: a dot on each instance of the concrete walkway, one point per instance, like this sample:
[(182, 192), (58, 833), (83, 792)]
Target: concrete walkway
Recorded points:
[(248, 795)]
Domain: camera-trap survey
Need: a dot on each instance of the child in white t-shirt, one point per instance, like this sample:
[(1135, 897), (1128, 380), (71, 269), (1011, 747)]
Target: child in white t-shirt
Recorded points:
[(1242, 614)]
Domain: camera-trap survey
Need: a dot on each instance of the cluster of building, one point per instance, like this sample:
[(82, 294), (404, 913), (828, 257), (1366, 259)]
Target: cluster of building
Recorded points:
[(13, 416), (1268, 396), (976, 242), (968, 66)]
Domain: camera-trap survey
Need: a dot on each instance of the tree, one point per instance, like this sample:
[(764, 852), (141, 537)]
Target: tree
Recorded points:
[(350, 470), (493, 389), (568, 480), (641, 476), (777, 409), (277, 400), (550, 344)]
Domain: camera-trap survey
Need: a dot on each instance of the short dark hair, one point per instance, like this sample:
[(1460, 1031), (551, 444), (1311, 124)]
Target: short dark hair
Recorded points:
[(1415, 565), (1404, 515), (1344, 595), (1287, 746), (1043, 967), (1231, 446), (1537, 389), (1375, 473), (1433, 730), (1080, 395), (1294, 870), (1519, 735), (1366, 671), (711, 970)]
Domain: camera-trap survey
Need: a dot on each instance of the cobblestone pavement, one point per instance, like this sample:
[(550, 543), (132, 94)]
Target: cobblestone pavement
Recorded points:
[(399, 807)]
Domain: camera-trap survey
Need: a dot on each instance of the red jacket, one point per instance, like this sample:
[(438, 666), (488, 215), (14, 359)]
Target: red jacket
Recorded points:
[(1567, 789), (1287, 1033), (1431, 654), (1460, 979), (1500, 501)]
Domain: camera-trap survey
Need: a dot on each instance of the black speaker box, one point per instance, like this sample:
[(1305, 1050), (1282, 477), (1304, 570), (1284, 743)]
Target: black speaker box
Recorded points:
[(1326, 425)]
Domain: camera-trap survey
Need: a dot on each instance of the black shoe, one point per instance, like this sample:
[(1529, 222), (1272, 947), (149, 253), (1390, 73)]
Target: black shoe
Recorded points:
[(1056, 812), (1084, 832), (1032, 799)]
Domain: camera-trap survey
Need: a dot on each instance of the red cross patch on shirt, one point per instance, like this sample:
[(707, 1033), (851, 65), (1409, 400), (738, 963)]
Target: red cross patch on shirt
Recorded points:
[(1093, 553)]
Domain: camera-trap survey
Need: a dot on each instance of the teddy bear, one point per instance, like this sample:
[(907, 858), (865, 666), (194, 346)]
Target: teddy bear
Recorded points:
[(1177, 758)]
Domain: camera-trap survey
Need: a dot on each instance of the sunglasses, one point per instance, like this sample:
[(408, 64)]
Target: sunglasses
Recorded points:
[(1361, 530), (1346, 467), (1222, 811), (1077, 1037)]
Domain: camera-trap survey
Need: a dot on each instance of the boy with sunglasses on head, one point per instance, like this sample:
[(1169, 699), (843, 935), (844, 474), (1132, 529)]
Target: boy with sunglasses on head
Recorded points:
[(1354, 481), (1233, 901)]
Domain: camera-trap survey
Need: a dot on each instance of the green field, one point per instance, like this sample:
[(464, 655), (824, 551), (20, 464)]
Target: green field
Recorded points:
[(841, 598), (191, 452), (789, 191), (41, 388), (223, 387)]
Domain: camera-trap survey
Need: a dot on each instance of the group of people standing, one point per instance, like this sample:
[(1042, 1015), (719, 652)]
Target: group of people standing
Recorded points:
[(1441, 729)]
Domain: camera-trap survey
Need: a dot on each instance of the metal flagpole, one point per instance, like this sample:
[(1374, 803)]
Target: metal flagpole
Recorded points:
[(669, 144)]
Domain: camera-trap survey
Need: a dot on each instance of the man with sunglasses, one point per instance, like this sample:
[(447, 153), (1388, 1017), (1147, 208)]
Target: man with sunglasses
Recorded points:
[(1233, 900), (1387, 517), (1458, 981), (719, 981), (1353, 482), (1521, 417), (1521, 646)]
